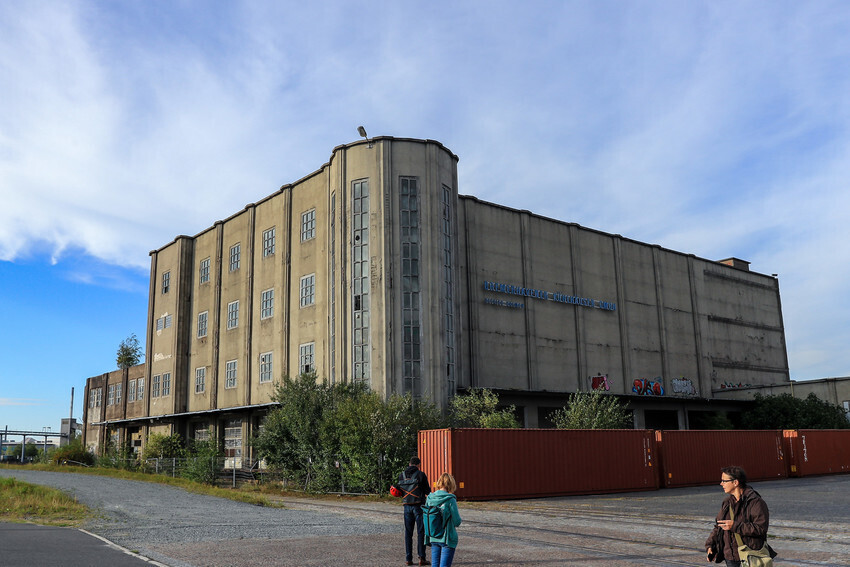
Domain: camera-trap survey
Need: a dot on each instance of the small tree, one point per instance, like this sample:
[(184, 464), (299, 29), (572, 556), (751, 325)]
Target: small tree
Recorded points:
[(479, 408), (592, 410), (71, 454), (161, 446), (787, 412), (129, 352), (203, 463)]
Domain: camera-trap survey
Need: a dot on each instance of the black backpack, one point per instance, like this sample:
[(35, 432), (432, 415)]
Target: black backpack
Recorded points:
[(434, 519), (411, 492)]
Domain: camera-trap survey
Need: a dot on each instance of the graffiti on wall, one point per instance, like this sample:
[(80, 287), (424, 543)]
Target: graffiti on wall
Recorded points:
[(683, 386), (730, 385), (644, 387), (599, 382)]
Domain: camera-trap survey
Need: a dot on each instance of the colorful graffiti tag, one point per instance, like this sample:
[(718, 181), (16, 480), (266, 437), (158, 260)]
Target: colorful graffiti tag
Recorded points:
[(599, 382), (644, 387), (684, 387)]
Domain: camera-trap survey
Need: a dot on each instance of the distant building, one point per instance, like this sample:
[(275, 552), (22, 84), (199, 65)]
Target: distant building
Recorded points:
[(374, 269)]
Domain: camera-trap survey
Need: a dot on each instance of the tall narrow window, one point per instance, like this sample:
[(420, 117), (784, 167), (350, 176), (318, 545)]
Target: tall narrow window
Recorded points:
[(204, 271), (110, 396), (155, 386), (333, 288), (166, 281), (166, 384), (131, 391), (266, 367), (360, 279), (99, 397), (267, 304), (200, 380), (230, 374), (118, 393), (308, 225), (410, 297), (448, 280), (140, 388), (233, 441), (268, 242), (92, 398), (306, 358), (235, 257), (308, 290), (203, 318), (233, 314)]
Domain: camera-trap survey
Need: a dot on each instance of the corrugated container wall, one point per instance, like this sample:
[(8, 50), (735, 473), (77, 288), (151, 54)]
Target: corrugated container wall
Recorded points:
[(692, 458), (817, 451), (491, 464)]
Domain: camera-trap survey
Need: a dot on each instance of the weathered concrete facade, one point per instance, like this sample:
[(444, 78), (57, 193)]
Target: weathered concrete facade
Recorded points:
[(375, 269)]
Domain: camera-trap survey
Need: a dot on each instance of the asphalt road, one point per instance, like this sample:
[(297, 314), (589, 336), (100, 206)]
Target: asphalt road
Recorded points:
[(810, 526)]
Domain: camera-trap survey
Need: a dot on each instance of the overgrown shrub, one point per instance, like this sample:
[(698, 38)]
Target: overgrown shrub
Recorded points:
[(480, 408), (73, 452), (592, 410)]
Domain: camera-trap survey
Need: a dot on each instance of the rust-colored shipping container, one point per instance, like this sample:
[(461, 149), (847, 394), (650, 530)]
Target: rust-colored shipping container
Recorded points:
[(693, 458), (817, 451), (493, 464)]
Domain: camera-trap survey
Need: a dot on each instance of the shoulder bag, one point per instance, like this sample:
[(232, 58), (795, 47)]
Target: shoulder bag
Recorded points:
[(752, 557)]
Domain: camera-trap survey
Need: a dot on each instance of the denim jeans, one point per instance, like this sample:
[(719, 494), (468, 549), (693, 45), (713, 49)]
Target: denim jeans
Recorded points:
[(413, 519), (441, 555)]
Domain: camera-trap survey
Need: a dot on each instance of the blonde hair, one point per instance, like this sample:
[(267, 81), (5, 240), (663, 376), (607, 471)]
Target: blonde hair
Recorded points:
[(446, 482)]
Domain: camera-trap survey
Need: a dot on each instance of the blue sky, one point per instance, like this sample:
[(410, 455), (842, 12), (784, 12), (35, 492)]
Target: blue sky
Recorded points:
[(714, 128)]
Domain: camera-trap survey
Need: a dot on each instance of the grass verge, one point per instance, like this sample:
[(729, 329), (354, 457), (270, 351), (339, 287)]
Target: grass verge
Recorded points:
[(249, 495), (24, 502)]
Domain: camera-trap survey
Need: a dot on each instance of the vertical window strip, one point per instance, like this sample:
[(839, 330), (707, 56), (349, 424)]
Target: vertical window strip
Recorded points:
[(448, 278), (360, 280), (411, 326), (266, 367), (140, 389), (333, 288)]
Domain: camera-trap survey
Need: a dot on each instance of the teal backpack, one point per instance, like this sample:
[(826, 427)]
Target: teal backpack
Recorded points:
[(434, 519)]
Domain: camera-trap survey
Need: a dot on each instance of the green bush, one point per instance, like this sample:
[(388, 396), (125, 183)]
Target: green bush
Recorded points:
[(592, 410), (480, 408), (73, 452), (787, 412), (203, 462)]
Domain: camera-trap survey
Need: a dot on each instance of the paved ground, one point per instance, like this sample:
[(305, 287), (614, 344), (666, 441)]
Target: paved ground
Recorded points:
[(810, 526)]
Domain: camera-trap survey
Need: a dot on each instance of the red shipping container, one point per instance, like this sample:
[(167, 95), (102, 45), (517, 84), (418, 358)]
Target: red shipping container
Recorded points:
[(693, 458), (817, 451), (493, 464)]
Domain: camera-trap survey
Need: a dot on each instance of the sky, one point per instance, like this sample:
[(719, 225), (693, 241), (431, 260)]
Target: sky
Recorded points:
[(715, 128)]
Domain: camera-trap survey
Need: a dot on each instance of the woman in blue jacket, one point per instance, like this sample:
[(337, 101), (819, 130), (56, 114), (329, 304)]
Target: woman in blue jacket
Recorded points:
[(443, 548)]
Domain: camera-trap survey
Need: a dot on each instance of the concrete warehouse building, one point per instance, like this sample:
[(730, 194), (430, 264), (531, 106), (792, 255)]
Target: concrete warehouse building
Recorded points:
[(374, 269)]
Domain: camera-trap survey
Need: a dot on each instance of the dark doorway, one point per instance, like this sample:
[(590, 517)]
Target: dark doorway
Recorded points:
[(661, 419)]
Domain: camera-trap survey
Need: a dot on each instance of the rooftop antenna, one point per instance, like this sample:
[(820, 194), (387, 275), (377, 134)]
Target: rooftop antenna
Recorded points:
[(362, 131)]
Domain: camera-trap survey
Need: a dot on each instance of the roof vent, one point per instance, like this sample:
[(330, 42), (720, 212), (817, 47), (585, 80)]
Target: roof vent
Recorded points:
[(737, 263)]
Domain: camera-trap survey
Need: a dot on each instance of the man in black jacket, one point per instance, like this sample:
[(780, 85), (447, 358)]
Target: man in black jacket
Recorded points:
[(414, 486)]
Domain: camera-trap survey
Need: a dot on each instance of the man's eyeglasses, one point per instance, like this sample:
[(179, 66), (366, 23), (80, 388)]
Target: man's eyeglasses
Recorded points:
[(728, 479)]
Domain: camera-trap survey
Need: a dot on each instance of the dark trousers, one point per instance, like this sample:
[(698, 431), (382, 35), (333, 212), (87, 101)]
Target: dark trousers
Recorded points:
[(413, 519)]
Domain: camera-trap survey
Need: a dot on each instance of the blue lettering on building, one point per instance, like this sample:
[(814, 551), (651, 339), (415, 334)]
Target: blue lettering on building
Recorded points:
[(557, 297)]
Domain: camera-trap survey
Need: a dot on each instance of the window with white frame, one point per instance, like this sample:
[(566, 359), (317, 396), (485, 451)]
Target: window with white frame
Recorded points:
[(306, 358), (233, 438), (230, 374), (131, 391), (267, 304), (166, 384), (203, 319), (92, 398), (163, 322), (99, 398), (360, 280), (202, 432), (204, 271), (155, 386), (110, 395), (268, 242), (235, 257), (140, 388), (233, 314), (308, 290), (266, 367), (200, 380), (118, 388), (308, 225), (166, 281)]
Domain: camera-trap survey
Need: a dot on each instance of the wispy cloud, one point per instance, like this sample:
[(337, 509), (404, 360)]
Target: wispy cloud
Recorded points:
[(21, 402)]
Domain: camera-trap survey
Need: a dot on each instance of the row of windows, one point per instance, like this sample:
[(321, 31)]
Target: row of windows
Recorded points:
[(136, 390), (231, 369), (308, 231), (307, 298)]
